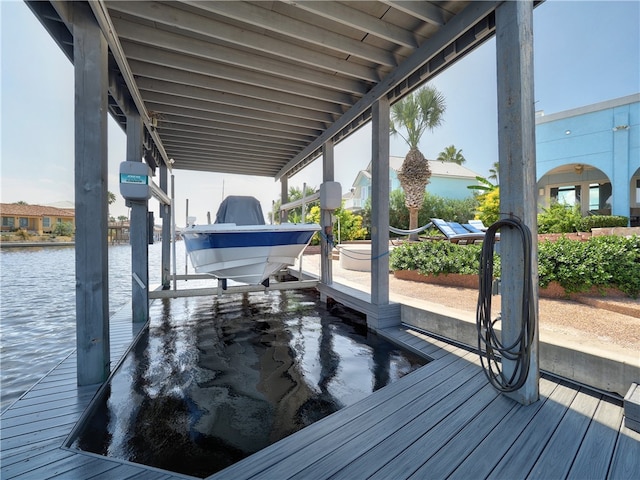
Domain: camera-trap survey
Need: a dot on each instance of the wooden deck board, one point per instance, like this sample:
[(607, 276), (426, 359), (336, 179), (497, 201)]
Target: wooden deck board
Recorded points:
[(523, 452), (596, 450), (557, 457), (626, 457), (362, 436), (449, 456), (36, 425), (398, 445), (404, 391), (428, 442)]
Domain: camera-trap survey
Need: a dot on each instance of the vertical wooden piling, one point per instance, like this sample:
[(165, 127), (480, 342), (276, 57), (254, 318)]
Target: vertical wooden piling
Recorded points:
[(516, 140), (380, 211), (139, 227), (326, 248), (91, 205)]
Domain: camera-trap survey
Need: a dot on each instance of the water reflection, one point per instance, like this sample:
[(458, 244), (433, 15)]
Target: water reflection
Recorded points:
[(217, 379)]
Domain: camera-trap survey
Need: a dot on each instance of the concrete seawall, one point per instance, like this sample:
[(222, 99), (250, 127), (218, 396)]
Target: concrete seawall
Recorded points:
[(592, 363)]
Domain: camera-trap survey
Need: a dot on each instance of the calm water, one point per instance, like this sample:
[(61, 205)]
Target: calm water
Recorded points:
[(215, 379), (37, 307), (212, 381)]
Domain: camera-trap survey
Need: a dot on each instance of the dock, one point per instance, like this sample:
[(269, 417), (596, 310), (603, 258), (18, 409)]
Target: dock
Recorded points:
[(442, 421)]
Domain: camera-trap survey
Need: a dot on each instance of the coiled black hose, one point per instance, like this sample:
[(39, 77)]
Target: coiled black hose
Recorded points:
[(490, 344)]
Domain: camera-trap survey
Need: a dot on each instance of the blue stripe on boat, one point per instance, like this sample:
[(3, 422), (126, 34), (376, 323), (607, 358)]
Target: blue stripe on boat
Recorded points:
[(201, 241)]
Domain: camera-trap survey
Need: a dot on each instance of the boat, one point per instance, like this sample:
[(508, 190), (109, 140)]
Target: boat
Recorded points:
[(239, 246)]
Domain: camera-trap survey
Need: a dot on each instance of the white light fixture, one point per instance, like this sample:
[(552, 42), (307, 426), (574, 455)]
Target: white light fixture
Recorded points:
[(567, 132)]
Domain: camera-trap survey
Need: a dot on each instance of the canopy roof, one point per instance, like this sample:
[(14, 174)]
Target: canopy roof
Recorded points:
[(257, 88)]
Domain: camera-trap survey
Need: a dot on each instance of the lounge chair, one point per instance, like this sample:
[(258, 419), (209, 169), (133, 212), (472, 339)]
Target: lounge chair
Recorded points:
[(475, 224), (456, 233)]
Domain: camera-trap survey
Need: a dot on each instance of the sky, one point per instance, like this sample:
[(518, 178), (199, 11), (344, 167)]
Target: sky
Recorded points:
[(584, 52)]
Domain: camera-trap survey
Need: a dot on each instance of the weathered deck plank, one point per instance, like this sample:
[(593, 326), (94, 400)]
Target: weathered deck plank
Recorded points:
[(522, 452), (326, 455), (626, 457), (450, 453), (596, 450), (557, 457)]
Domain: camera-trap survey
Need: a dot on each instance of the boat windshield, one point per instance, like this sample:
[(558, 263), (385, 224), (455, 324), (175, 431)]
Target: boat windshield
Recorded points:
[(240, 210)]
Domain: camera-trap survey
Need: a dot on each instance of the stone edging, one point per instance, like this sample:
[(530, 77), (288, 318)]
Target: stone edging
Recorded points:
[(554, 290)]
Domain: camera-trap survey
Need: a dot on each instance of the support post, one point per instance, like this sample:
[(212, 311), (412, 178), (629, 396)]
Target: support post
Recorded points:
[(326, 223), (516, 140), (284, 197), (91, 205), (380, 202), (139, 227), (165, 213)]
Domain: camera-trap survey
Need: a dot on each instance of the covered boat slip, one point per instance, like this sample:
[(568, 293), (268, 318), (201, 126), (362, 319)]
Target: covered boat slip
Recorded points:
[(442, 421), (265, 88)]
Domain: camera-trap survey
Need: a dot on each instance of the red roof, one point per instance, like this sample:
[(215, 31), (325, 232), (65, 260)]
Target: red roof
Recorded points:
[(17, 210)]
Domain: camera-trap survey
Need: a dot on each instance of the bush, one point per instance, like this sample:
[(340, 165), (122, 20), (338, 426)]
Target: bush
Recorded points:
[(439, 257), (22, 234), (489, 207), (559, 218), (576, 266), (350, 225), (602, 221), (63, 229)]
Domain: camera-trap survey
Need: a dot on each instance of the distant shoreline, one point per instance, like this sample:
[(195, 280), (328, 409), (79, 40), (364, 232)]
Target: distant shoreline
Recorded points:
[(5, 244)]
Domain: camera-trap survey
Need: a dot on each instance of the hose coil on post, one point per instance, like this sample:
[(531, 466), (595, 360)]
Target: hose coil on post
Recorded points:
[(490, 345)]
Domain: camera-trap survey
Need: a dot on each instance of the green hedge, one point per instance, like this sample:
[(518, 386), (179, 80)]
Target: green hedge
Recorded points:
[(439, 257), (601, 221), (603, 261)]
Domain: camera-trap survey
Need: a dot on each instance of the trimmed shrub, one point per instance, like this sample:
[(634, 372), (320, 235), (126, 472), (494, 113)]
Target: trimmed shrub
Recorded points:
[(439, 257), (602, 221), (576, 266)]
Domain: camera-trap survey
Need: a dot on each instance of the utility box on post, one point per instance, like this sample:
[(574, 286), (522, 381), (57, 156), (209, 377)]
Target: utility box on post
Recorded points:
[(330, 195), (135, 181)]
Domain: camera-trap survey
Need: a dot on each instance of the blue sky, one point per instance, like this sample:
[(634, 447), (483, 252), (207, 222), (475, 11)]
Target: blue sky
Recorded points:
[(585, 52)]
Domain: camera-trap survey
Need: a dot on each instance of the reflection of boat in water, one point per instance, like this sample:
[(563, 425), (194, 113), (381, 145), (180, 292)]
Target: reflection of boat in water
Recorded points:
[(240, 247)]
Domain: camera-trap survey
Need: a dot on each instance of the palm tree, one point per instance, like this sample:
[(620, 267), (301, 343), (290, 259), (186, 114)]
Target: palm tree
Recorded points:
[(452, 155), (494, 172), (415, 113)]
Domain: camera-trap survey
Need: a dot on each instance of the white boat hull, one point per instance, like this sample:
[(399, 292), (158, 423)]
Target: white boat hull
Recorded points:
[(247, 254)]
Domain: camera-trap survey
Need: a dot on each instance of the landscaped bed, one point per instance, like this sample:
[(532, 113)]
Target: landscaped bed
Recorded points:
[(604, 263)]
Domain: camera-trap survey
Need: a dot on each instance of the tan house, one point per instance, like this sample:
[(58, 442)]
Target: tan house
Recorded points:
[(33, 218)]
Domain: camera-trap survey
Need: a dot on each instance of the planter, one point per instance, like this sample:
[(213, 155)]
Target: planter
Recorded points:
[(355, 257), (447, 279), (552, 237), (553, 290)]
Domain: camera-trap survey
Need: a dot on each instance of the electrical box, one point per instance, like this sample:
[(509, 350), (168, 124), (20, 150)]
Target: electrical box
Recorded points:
[(330, 195), (135, 179)]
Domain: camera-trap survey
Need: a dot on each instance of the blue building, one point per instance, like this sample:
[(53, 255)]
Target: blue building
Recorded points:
[(448, 180), (591, 156)]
